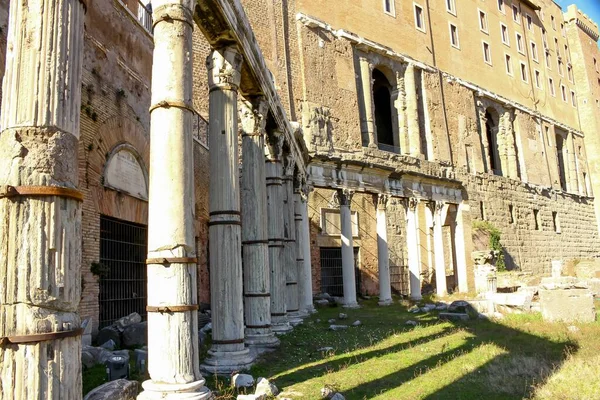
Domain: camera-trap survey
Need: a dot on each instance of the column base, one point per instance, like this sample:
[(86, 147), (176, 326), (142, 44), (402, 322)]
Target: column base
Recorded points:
[(416, 298), (310, 309), (267, 340), (175, 391), (281, 328), (227, 362), (385, 302), (351, 305)]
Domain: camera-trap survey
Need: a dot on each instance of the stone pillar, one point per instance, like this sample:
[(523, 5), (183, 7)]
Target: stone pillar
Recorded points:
[(511, 146), (399, 102), (439, 214), (412, 111), (306, 294), (383, 256), (300, 271), (414, 262), (484, 139), (274, 171), (172, 264), (344, 197), (228, 352), (255, 249), (289, 249), (40, 208), (572, 156), (368, 123), (460, 249)]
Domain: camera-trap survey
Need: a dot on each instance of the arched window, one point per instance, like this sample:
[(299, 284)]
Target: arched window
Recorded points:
[(382, 97), (491, 130)]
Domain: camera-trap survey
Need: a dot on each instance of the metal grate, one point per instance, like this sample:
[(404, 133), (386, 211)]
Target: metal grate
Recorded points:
[(399, 280), (332, 280), (123, 287)]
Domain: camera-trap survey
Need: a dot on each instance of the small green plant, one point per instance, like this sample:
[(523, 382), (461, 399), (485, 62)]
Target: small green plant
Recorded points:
[(495, 244), (99, 269)]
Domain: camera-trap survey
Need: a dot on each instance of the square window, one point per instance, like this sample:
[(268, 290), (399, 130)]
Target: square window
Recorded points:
[(454, 36), (538, 79), (501, 6), (504, 33), (419, 18), (508, 64), (515, 12), (487, 54), (483, 23), (451, 7), (524, 72), (520, 46), (389, 8), (551, 86)]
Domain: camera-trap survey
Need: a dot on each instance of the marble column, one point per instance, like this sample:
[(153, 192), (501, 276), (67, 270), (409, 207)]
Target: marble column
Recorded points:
[(300, 272), (487, 163), (306, 295), (439, 213), (399, 102), (255, 249), (274, 171), (368, 122), (511, 146), (40, 208), (345, 199), (572, 156), (228, 352), (289, 245), (412, 245), (383, 256), (460, 248), (412, 110)]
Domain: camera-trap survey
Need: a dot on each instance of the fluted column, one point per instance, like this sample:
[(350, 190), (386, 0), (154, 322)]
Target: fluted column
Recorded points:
[(412, 246), (301, 276), (228, 352), (383, 257), (40, 208), (345, 199), (289, 245), (274, 171), (172, 336), (439, 212), (306, 294), (255, 249), (368, 121), (412, 110)]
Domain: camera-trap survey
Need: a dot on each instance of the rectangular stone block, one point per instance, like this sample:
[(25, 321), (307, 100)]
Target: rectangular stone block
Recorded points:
[(567, 305)]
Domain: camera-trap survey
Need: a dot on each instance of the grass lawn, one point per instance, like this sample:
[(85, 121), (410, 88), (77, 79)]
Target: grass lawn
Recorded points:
[(519, 357)]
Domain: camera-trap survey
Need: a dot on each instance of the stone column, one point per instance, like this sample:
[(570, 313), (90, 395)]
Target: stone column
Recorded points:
[(484, 139), (228, 352), (40, 208), (300, 271), (414, 262), (368, 122), (345, 199), (439, 213), (511, 146), (460, 249), (412, 111), (289, 249), (306, 294), (255, 249), (399, 102), (572, 156), (383, 256), (274, 171), (172, 292)]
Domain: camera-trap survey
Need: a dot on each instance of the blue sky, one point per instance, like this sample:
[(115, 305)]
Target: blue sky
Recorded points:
[(590, 7)]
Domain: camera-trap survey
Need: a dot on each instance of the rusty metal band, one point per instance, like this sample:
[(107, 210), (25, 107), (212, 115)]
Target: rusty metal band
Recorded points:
[(257, 294), (291, 283), (172, 103), (274, 178), (293, 310), (225, 212), (211, 223), (222, 87), (232, 341), (276, 245), (276, 239), (181, 14), (288, 178), (299, 259), (278, 314), (250, 242), (172, 309), (290, 240), (17, 191), (40, 337), (274, 184), (174, 260), (258, 326), (252, 134)]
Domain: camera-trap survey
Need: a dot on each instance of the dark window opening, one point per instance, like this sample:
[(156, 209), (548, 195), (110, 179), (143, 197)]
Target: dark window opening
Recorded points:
[(482, 210), (536, 220), (511, 213), (382, 96), (491, 129), (560, 160), (332, 279)]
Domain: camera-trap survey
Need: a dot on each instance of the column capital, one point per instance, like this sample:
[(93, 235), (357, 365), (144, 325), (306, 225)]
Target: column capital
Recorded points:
[(253, 116), (289, 165), (410, 203), (344, 196), (224, 68), (274, 146), (381, 200)]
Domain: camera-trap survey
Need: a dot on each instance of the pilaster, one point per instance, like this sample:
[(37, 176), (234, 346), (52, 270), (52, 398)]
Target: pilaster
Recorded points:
[(344, 197)]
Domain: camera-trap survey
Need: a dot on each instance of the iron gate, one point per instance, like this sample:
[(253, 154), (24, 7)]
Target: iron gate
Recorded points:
[(332, 280), (399, 280), (123, 283)]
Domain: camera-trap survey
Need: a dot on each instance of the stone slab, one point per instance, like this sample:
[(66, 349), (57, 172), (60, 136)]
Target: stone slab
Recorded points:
[(567, 305)]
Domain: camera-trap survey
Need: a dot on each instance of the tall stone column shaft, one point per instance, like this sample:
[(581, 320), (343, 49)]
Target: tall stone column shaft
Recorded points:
[(274, 171), (345, 200), (289, 249), (228, 352), (574, 180), (438, 245), (172, 336), (306, 294), (301, 272), (383, 256), (40, 208), (412, 110), (366, 71), (412, 245), (255, 244), (399, 102), (487, 163), (460, 248)]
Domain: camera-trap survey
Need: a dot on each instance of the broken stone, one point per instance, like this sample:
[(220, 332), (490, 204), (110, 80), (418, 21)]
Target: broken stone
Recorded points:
[(86, 337), (87, 359), (207, 328), (325, 349), (135, 335), (337, 396), (108, 345), (441, 307), (567, 305), (452, 316), (338, 327), (133, 318), (264, 387), (411, 323), (318, 320), (342, 316), (120, 389), (357, 323), (321, 303), (108, 333), (327, 392), (242, 381), (414, 309), (462, 307), (331, 321), (252, 397), (563, 282)]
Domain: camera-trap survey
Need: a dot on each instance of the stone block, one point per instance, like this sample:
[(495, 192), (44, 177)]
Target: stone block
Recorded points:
[(567, 305), (120, 389), (109, 333), (563, 282), (135, 335), (454, 316)]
